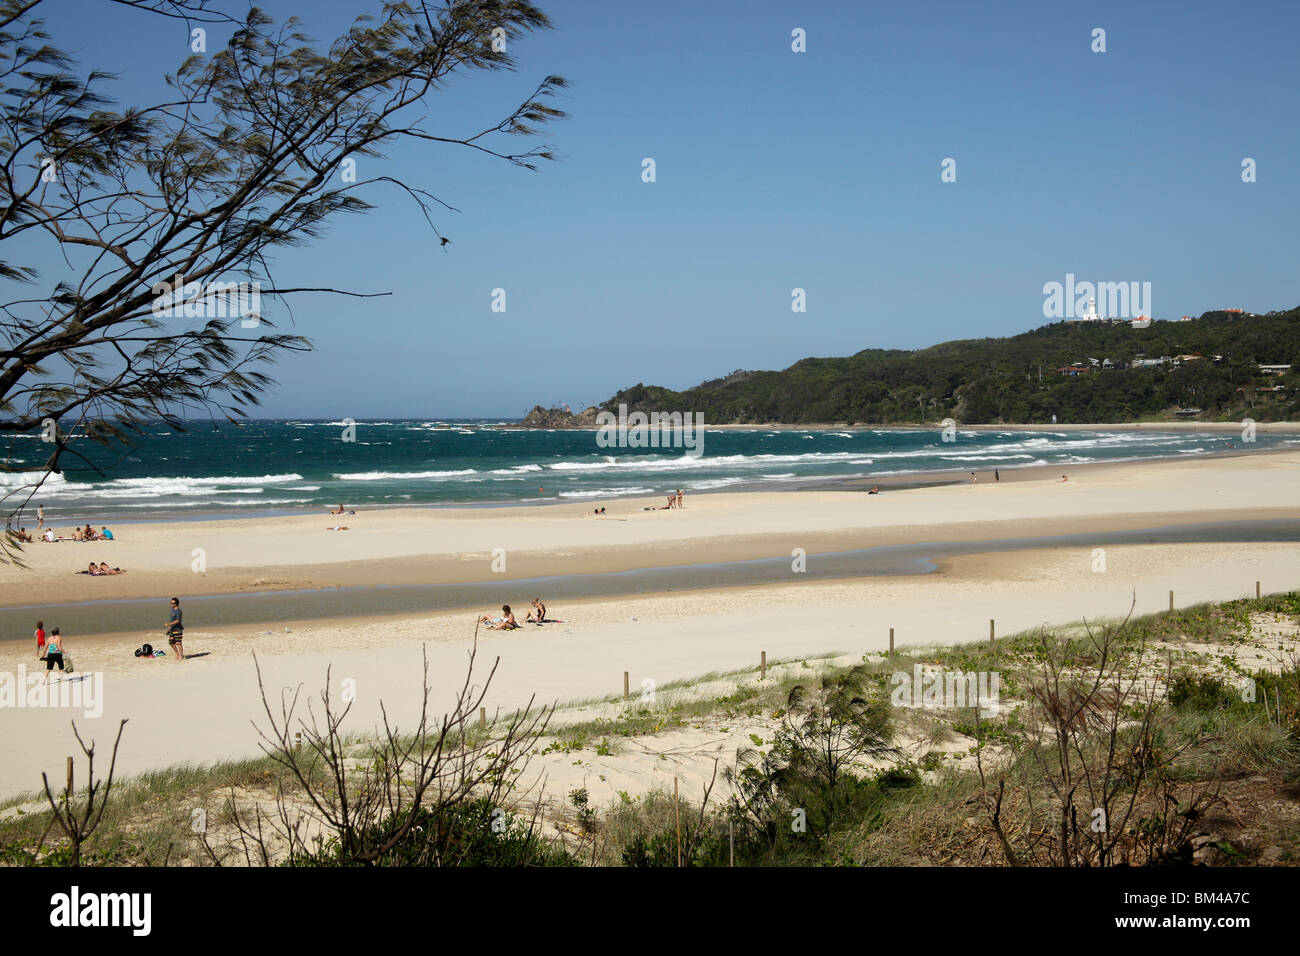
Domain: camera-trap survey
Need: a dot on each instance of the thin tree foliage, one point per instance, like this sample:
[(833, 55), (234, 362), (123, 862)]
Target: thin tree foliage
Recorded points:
[(162, 221)]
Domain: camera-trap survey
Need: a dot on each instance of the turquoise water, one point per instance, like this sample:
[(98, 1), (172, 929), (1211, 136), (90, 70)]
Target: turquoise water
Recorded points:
[(271, 466)]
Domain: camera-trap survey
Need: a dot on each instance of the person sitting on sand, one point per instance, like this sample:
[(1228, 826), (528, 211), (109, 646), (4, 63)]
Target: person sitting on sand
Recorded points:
[(89, 534), (875, 490), (76, 534), (338, 510), (49, 535), (24, 536), (105, 534), (506, 622), (538, 614), (1065, 478)]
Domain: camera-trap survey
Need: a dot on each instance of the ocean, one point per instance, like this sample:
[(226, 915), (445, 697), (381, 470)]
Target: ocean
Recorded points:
[(265, 466)]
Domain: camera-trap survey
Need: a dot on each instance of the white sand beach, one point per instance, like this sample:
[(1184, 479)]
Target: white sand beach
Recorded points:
[(204, 708)]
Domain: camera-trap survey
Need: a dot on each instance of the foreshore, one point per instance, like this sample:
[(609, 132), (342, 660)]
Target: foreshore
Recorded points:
[(200, 709)]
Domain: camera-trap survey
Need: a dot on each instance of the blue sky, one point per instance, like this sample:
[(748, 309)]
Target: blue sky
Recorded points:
[(776, 170)]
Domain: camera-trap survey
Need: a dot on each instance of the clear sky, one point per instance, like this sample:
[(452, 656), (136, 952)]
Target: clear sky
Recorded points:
[(775, 170)]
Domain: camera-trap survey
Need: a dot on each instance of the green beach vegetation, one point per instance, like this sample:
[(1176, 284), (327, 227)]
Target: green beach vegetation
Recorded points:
[(1211, 363), (1162, 740)]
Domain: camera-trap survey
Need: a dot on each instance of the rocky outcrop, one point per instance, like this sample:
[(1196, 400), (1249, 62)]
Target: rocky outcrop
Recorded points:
[(559, 418)]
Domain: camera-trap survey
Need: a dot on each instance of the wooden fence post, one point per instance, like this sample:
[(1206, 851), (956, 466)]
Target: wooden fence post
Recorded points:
[(677, 809)]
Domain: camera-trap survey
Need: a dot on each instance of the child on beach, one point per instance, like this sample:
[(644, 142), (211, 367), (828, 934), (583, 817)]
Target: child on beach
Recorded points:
[(40, 639)]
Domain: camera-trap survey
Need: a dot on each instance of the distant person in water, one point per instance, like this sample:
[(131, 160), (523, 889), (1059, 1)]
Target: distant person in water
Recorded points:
[(996, 476)]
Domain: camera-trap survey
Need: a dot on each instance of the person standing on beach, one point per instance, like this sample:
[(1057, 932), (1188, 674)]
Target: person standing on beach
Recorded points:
[(996, 476), (53, 653), (679, 499), (40, 517), (176, 630), (40, 639)]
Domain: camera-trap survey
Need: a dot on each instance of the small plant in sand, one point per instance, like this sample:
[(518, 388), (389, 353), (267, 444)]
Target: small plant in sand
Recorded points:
[(421, 797)]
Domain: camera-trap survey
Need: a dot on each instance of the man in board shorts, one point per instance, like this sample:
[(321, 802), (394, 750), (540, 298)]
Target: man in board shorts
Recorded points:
[(175, 630)]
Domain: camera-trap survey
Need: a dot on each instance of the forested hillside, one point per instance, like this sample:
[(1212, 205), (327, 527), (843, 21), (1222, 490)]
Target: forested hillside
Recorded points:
[(1016, 379)]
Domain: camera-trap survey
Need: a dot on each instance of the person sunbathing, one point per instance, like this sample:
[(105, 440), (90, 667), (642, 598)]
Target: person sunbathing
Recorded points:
[(506, 622), (538, 614), (93, 569), (105, 569)]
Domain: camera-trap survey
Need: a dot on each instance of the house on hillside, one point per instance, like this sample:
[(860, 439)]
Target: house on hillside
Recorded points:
[(1275, 369), (1073, 370)]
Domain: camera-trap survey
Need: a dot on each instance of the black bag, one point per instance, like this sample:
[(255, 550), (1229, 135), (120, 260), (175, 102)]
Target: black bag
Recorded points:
[(146, 650)]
